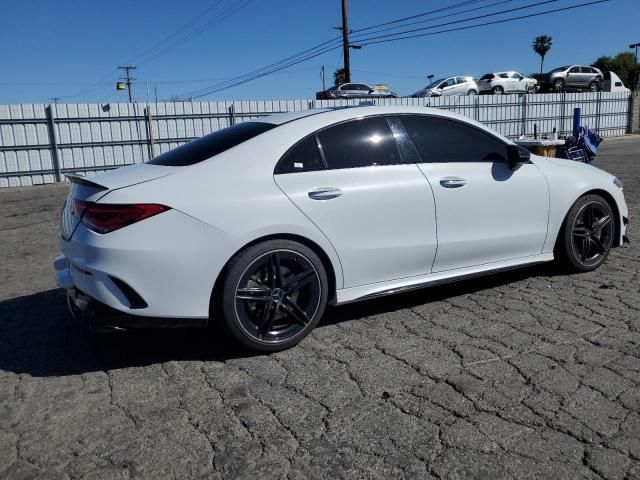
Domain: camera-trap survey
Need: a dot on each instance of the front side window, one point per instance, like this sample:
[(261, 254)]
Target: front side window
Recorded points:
[(516, 76), (574, 70), (302, 157), (440, 140), (211, 145), (359, 143)]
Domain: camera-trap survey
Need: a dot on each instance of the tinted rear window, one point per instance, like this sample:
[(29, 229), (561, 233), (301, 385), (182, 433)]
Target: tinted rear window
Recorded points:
[(211, 145)]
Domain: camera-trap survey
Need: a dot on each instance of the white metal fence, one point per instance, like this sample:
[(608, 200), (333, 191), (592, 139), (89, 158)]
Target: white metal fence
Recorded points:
[(40, 143)]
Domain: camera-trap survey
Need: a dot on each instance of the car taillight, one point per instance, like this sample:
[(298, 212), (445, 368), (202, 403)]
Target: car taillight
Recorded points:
[(105, 218)]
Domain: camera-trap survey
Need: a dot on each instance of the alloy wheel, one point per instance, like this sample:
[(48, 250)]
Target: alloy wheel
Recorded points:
[(277, 296), (592, 233)]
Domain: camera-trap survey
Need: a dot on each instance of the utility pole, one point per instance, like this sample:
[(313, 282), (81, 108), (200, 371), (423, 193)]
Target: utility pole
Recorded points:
[(55, 100), (635, 67), (322, 75), (128, 78), (345, 43)]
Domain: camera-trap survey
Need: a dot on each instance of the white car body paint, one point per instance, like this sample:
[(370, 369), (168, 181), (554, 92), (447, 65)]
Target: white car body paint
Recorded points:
[(378, 236)]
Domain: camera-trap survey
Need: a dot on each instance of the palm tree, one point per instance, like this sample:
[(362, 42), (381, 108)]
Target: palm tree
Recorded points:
[(541, 45), (339, 76)]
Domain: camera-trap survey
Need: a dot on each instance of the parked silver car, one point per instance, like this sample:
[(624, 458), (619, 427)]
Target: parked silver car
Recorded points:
[(571, 76), (506, 82), (356, 90), (449, 86)]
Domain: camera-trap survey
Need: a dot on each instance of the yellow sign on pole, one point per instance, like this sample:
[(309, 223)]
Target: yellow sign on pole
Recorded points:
[(121, 86)]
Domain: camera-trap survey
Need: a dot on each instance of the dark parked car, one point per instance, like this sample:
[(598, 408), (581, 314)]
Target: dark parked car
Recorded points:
[(355, 90), (580, 77)]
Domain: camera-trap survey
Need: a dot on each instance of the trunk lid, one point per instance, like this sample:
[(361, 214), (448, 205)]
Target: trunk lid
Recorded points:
[(91, 189)]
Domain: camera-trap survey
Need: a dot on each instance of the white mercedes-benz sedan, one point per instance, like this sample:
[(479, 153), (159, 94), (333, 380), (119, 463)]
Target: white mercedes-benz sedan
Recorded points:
[(260, 225)]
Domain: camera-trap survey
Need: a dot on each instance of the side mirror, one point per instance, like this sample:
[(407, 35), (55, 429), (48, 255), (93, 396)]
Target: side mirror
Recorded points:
[(517, 156)]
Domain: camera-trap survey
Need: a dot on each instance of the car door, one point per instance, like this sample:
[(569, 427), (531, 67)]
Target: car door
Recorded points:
[(376, 210), (448, 87), (363, 90), (517, 82), (574, 78), (348, 90), (504, 81), (485, 211)]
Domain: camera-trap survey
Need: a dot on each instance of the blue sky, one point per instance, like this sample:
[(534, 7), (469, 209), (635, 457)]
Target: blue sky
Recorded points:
[(69, 48)]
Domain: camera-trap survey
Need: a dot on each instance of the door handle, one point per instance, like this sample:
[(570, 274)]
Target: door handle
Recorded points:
[(324, 193), (453, 182)]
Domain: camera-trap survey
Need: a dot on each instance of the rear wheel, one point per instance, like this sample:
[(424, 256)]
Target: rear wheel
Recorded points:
[(587, 235), (472, 92), (558, 85), (497, 90), (274, 294)]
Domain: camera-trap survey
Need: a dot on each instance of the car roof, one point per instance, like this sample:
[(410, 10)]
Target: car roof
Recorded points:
[(320, 118), (285, 117)]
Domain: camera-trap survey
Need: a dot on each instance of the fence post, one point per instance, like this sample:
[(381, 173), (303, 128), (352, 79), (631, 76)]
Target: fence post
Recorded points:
[(150, 144), (598, 109), (634, 112), (53, 142), (562, 113), (524, 115), (476, 108), (232, 115)]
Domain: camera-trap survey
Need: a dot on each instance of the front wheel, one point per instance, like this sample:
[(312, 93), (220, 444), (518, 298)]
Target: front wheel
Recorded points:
[(594, 86), (472, 92), (274, 294), (587, 234), (497, 90)]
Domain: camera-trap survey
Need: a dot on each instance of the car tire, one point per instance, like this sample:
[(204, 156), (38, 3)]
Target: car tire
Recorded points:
[(273, 294), (594, 86), (472, 92), (587, 235), (497, 90), (558, 85)]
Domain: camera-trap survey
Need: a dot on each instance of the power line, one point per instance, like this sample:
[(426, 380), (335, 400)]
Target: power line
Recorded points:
[(495, 22), (423, 14), (373, 40), (334, 42), (197, 32), (277, 69), (101, 83), (454, 22), (190, 22), (433, 19)]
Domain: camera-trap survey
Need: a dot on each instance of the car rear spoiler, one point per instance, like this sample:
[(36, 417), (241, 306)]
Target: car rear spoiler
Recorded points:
[(73, 178)]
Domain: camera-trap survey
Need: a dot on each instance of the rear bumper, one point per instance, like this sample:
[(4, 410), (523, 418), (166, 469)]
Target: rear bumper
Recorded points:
[(162, 267), (101, 318)]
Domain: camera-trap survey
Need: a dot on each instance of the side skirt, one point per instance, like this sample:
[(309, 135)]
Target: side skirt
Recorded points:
[(365, 292)]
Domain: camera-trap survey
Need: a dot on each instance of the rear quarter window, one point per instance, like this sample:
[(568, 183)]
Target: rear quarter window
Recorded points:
[(211, 145)]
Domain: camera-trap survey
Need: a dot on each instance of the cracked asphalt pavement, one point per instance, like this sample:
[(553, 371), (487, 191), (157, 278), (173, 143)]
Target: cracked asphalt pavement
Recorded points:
[(527, 374)]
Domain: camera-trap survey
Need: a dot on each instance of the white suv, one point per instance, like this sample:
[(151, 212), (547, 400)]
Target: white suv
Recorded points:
[(449, 86), (506, 82)]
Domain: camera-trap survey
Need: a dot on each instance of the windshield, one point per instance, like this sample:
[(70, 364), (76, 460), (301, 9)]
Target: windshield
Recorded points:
[(559, 69), (211, 145), (434, 84)]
